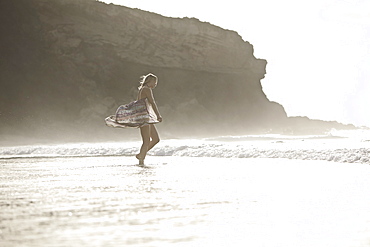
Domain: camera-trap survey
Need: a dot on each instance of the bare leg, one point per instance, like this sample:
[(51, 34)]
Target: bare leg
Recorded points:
[(145, 136), (154, 136), (147, 132)]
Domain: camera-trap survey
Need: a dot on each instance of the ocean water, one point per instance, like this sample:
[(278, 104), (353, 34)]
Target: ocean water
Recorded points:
[(338, 146), (266, 190)]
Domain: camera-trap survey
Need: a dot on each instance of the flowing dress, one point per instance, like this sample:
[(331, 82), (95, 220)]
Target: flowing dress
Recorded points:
[(133, 115)]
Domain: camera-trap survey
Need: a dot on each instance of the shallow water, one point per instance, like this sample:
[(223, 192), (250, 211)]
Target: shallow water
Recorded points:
[(328, 148), (183, 201)]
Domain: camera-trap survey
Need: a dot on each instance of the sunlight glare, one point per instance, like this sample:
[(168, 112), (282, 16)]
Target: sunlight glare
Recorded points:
[(315, 49)]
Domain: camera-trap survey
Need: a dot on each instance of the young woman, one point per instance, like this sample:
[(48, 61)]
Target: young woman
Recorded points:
[(149, 133)]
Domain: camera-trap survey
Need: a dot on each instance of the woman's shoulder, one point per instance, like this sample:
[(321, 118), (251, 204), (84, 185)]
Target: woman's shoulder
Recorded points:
[(144, 92)]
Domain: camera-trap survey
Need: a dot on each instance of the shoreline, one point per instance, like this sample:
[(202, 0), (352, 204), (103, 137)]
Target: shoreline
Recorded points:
[(343, 150)]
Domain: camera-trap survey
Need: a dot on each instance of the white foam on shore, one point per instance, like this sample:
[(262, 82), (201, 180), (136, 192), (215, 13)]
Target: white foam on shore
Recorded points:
[(350, 149)]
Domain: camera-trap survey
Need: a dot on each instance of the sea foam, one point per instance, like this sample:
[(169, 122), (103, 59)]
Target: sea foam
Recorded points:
[(351, 149)]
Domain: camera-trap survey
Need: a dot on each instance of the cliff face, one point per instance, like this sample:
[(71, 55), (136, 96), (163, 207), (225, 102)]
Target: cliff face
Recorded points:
[(146, 38), (68, 64)]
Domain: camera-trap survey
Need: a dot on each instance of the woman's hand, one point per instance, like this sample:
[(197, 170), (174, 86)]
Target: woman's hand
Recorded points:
[(159, 118)]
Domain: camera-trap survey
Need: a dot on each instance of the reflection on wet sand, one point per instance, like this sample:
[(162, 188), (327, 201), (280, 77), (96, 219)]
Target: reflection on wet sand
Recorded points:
[(177, 201)]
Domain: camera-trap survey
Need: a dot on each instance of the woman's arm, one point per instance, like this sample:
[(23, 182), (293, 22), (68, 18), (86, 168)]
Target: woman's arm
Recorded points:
[(149, 95)]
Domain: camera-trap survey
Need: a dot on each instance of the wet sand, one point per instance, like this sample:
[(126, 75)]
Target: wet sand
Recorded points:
[(179, 201)]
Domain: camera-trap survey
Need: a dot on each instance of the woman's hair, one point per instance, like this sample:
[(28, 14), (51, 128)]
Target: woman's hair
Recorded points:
[(145, 79)]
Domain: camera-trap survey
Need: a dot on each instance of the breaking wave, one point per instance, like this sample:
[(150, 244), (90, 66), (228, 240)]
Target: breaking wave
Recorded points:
[(329, 148)]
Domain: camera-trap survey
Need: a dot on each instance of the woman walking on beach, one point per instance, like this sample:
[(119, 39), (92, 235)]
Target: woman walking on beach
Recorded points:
[(149, 133), (142, 113)]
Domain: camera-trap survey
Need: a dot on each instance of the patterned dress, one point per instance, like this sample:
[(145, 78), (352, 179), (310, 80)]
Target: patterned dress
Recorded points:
[(133, 115)]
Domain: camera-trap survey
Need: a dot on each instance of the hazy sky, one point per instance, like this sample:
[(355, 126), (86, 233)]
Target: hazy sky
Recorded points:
[(318, 51)]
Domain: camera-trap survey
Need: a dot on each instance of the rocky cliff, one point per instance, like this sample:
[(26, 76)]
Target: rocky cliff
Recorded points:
[(67, 64)]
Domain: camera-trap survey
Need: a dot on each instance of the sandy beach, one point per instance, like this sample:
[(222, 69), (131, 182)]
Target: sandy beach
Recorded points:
[(261, 135), (183, 201)]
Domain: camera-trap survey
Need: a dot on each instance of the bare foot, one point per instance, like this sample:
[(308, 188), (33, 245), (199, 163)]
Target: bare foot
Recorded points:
[(141, 160)]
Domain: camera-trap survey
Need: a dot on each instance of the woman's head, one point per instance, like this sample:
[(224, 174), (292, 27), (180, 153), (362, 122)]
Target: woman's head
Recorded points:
[(149, 80)]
